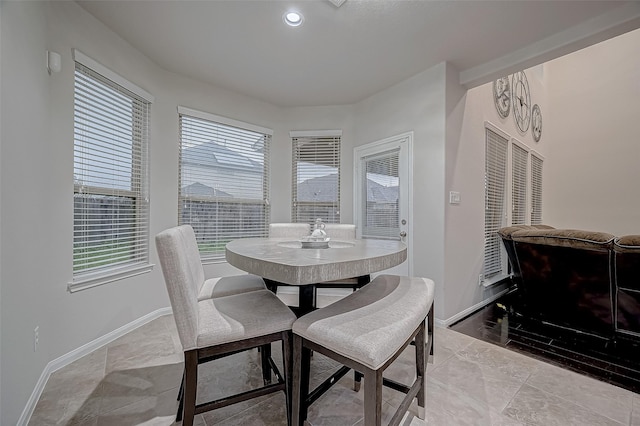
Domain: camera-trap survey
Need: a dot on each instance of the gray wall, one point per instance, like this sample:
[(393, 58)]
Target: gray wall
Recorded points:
[(36, 155)]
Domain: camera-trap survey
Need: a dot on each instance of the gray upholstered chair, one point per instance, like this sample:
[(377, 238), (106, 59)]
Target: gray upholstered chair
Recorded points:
[(289, 230), (213, 328), (343, 231), (340, 231), (367, 330)]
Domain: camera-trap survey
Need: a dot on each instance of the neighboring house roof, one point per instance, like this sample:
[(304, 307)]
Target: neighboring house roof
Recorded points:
[(381, 194), (213, 154), (198, 189), (323, 189)]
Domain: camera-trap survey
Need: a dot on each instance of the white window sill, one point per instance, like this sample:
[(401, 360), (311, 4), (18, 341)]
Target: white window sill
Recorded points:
[(84, 282), (494, 280)]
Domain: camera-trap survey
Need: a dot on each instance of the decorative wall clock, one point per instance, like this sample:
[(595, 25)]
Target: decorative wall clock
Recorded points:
[(536, 123), (521, 101), (502, 96)]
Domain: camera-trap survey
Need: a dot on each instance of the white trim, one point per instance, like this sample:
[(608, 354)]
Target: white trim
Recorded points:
[(84, 282), (471, 309), (78, 353), (522, 145), (489, 125), (315, 133), (80, 57), (535, 153), (599, 28), (224, 120), (361, 151)]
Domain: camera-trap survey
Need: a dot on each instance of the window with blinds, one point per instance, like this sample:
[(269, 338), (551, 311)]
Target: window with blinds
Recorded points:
[(316, 177), (223, 180), (111, 176), (536, 189), (495, 195), (519, 161), (381, 212)]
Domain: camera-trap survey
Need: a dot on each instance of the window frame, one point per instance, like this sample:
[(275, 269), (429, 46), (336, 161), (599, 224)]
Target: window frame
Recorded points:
[(139, 193), (207, 257)]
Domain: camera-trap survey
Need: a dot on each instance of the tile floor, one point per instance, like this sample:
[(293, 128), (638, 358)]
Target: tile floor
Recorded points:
[(504, 323), (134, 381)]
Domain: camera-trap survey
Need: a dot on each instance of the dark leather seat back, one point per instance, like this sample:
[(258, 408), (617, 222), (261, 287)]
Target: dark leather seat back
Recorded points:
[(566, 277)]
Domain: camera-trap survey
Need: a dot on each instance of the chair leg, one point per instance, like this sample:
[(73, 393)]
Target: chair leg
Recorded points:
[(287, 360), (265, 354), (190, 386), (357, 380), (372, 397), (421, 360), (297, 395), (180, 399)]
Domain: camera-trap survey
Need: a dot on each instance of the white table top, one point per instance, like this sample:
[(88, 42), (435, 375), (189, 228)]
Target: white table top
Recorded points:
[(283, 260)]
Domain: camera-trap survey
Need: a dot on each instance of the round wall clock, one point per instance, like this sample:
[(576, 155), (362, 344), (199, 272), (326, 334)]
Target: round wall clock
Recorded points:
[(502, 96), (536, 123), (521, 101)]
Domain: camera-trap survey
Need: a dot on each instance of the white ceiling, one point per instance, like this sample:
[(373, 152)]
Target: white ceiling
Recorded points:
[(341, 55)]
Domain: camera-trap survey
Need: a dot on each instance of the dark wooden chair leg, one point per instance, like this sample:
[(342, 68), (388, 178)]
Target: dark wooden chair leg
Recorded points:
[(190, 386), (421, 369), (297, 396), (372, 397), (287, 360), (180, 399), (357, 380), (265, 354)]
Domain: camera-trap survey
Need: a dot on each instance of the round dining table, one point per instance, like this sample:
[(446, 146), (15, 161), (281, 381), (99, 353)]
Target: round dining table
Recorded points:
[(285, 261)]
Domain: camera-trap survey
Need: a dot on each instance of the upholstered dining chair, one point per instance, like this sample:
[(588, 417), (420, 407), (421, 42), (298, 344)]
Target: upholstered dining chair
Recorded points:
[(343, 231), (212, 328), (367, 331), (289, 230)]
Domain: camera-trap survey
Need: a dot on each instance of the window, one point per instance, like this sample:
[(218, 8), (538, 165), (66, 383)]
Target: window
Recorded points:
[(495, 178), (111, 176), (316, 176), (223, 180), (536, 189), (521, 171), (519, 161)]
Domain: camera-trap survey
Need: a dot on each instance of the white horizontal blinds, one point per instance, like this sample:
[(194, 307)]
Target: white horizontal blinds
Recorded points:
[(519, 159), (111, 202), (316, 179), (382, 188), (495, 195), (536, 189), (223, 181)]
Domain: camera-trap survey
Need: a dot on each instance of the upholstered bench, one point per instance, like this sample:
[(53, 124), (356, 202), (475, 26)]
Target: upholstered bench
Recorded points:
[(367, 330)]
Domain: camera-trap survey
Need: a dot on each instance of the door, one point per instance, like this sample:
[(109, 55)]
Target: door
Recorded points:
[(383, 193)]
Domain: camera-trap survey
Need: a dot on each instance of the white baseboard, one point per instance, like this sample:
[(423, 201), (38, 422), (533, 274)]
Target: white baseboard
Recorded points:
[(78, 353), (471, 309)]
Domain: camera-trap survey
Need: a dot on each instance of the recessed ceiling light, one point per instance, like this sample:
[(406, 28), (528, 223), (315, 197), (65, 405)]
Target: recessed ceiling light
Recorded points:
[(293, 19)]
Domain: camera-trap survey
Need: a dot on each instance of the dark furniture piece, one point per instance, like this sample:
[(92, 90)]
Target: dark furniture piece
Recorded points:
[(584, 281), (566, 278), (626, 254)]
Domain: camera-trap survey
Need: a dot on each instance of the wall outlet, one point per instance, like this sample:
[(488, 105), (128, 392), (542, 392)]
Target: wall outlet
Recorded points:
[(36, 338), (480, 279)]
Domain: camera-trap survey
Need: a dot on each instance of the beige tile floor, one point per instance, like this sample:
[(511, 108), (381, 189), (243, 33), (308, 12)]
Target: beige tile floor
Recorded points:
[(134, 381)]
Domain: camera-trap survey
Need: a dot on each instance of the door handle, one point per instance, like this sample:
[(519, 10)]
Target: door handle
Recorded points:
[(403, 234)]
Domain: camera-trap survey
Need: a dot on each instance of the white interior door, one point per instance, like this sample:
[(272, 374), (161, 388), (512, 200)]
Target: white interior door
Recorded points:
[(383, 193)]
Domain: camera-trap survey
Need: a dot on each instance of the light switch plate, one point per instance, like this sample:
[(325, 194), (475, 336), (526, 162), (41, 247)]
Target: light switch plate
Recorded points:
[(454, 197)]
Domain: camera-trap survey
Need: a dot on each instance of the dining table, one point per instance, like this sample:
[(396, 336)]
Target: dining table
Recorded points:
[(287, 261), (284, 261)]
